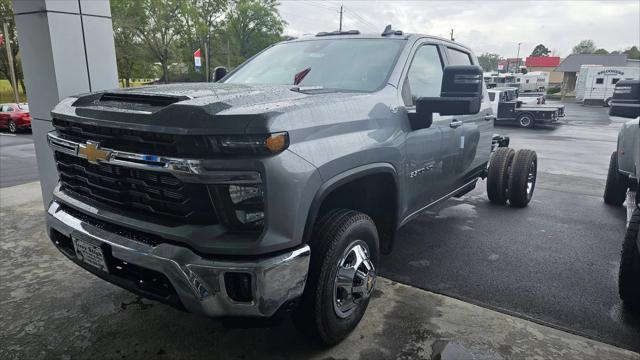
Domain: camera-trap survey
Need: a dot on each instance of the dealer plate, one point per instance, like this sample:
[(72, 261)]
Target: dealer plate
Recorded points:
[(90, 253)]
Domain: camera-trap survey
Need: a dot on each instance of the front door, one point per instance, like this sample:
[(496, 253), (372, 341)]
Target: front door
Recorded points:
[(426, 170)]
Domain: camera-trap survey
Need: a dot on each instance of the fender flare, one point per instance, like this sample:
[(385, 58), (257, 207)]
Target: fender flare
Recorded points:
[(340, 179)]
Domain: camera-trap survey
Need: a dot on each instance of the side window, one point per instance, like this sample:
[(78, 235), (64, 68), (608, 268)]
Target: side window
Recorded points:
[(457, 57), (424, 78), (614, 80), (492, 96), (600, 81)]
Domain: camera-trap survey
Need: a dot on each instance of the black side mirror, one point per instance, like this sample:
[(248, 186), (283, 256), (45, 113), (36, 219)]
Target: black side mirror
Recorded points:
[(626, 99), (461, 94), (219, 72)]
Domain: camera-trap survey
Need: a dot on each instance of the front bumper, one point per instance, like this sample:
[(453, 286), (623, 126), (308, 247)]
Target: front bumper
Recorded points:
[(198, 283)]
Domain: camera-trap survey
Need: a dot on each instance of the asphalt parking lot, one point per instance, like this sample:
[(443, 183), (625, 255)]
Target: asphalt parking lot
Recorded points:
[(17, 159), (555, 262)]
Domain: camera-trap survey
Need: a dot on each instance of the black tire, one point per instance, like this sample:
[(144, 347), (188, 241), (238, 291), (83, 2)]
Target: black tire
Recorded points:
[(629, 276), (526, 121), (13, 128), (615, 189), (317, 314), (498, 175), (522, 178)]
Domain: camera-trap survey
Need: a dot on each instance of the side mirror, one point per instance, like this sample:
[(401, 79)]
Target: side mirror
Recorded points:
[(461, 94), (626, 99), (219, 72)]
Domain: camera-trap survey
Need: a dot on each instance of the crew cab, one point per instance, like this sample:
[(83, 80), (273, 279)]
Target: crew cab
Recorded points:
[(508, 109), (15, 117), (276, 189)]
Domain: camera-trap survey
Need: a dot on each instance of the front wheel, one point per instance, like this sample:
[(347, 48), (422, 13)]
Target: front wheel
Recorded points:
[(342, 274), (629, 276), (526, 121)]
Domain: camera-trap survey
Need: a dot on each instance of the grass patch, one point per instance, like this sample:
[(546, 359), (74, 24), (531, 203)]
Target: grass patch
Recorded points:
[(6, 93)]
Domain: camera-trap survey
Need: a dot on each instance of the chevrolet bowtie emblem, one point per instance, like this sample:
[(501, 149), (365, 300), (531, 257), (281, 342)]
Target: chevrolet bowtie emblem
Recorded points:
[(92, 152)]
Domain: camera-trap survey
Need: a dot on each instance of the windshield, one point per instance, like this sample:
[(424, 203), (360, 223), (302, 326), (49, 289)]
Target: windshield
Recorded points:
[(344, 64)]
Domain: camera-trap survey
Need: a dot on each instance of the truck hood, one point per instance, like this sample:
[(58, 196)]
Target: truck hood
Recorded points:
[(191, 108)]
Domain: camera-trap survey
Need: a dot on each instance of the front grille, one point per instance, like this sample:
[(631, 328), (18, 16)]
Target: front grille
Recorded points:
[(144, 142), (149, 192)]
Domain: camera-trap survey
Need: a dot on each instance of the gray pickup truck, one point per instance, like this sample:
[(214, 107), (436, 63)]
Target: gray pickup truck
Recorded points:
[(276, 189), (623, 183)]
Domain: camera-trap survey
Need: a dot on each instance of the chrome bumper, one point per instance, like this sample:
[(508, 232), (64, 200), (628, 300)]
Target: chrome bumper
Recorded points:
[(199, 282)]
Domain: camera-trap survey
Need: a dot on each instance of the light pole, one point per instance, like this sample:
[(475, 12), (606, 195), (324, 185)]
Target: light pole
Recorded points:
[(518, 59), (7, 44)]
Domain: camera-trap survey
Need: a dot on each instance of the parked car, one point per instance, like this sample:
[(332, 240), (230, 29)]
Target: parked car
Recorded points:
[(15, 117), (623, 182), (276, 189), (527, 116)]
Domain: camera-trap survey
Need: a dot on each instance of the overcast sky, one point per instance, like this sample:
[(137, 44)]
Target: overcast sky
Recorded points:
[(485, 26)]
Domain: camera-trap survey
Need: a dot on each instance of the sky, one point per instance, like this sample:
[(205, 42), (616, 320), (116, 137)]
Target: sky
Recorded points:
[(485, 26)]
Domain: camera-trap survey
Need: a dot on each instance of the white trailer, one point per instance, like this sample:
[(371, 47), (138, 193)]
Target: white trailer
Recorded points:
[(595, 83), (533, 81)]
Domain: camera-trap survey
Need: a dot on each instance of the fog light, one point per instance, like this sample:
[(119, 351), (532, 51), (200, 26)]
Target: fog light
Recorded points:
[(238, 286)]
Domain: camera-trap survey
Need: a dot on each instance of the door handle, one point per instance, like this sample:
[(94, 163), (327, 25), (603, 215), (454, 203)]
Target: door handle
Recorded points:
[(488, 117), (455, 123)]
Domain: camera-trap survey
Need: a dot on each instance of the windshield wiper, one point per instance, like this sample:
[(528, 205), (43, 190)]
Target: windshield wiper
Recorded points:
[(302, 89)]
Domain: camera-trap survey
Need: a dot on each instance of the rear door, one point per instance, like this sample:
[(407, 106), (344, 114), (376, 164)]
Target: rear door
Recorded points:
[(5, 115), (474, 145)]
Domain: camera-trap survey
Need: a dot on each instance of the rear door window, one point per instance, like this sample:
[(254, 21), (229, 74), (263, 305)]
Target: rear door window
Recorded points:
[(457, 57)]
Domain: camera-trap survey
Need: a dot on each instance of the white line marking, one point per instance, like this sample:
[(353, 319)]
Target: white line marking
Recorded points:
[(3, 134)]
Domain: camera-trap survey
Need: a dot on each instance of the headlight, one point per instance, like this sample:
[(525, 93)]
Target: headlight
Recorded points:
[(240, 206), (253, 144)]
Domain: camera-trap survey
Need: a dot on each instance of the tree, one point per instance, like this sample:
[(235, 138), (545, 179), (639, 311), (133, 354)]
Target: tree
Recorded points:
[(6, 11), (201, 19), (489, 61), (159, 27), (133, 61), (253, 25), (601, 52), (632, 53), (540, 50), (584, 47)]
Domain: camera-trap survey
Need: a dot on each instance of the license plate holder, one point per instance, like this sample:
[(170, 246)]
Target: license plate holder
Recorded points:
[(90, 252)]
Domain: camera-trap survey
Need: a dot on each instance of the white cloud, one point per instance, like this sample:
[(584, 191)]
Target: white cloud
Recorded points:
[(485, 26)]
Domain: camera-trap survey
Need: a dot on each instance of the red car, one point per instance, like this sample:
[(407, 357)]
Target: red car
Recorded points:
[(15, 117)]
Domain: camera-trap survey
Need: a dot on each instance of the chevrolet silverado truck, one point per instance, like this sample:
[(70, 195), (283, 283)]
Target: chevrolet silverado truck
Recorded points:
[(275, 189), (623, 184), (508, 109)]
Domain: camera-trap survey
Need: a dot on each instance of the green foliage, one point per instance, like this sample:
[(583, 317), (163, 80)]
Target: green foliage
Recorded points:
[(553, 90), (584, 47), (6, 10), (253, 25), (540, 50), (632, 53), (601, 52), (489, 61)]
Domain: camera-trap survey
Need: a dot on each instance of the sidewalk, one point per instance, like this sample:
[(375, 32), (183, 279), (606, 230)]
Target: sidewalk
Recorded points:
[(50, 308)]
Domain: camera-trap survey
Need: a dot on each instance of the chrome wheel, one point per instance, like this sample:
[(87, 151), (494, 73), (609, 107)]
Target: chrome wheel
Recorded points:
[(12, 127), (531, 178), (355, 279)]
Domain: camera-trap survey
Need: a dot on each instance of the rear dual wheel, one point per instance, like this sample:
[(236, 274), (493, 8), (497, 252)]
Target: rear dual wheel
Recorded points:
[(615, 189), (512, 176)]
